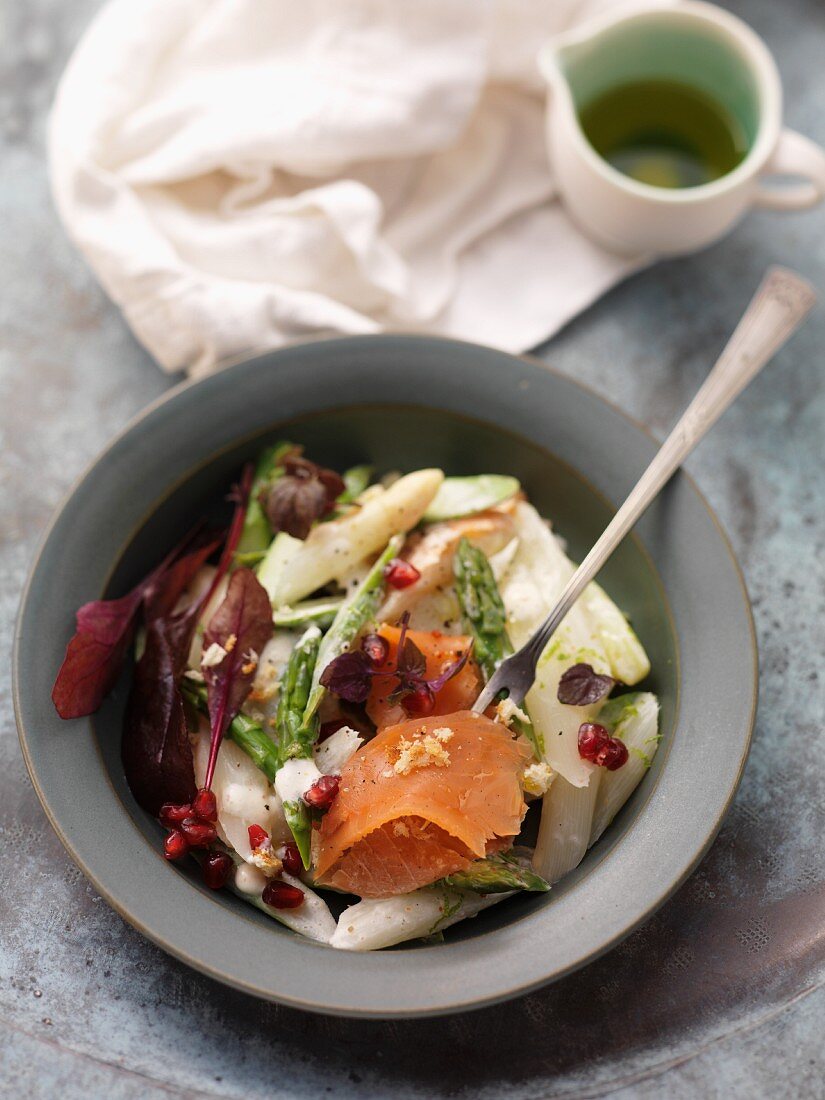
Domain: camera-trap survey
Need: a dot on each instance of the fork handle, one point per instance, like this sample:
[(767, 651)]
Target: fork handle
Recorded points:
[(779, 305)]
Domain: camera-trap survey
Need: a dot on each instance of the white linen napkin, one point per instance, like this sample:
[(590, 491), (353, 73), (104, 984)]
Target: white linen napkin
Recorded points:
[(245, 173)]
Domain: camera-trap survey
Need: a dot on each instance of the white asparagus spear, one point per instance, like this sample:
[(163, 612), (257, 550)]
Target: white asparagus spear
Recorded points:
[(637, 726), (333, 549), (381, 922), (564, 832)]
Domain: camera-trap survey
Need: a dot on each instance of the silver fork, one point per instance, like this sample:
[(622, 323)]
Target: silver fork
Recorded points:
[(775, 312)]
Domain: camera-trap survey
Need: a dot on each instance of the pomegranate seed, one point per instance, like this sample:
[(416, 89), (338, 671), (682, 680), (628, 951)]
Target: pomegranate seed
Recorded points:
[(291, 859), (280, 895), (176, 845), (257, 836), (596, 744), (376, 648), (613, 755), (216, 868), (205, 805), (328, 728), (400, 574), (171, 814), (592, 739), (321, 794), (420, 702), (198, 833)]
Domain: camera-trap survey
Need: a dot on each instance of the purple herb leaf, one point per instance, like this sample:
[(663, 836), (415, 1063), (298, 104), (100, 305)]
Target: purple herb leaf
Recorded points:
[(412, 664), (349, 676), (240, 628), (104, 628), (411, 667), (580, 685), (303, 494), (435, 685)]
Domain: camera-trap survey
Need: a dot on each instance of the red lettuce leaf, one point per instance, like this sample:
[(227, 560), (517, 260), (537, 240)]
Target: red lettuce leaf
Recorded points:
[(241, 626), (240, 498), (164, 592), (104, 628), (156, 753), (94, 656), (157, 756)]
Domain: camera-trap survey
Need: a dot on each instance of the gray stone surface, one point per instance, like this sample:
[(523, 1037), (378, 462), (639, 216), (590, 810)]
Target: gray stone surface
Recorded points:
[(721, 993)]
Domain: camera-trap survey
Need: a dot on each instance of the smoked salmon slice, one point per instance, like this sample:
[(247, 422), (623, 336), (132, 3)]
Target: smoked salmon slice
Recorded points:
[(422, 800), (440, 650), (432, 554)]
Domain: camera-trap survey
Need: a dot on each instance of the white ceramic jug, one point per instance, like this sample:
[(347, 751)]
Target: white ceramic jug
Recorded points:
[(692, 43)]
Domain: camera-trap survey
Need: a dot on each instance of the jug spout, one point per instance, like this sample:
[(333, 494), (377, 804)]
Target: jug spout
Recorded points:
[(568, 54), (557, 54)]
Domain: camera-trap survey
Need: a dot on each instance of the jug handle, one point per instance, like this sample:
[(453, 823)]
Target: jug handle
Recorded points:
[(795, 155)]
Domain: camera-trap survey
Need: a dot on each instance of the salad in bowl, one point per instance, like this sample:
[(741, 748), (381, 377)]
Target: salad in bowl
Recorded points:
[(301, 717)]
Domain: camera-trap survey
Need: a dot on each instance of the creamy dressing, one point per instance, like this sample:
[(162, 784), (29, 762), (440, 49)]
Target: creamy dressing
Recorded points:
[(249, 880), (295, 778), (243, 793)]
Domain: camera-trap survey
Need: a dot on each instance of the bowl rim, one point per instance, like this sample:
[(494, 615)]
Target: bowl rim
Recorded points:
[(385, 1012)]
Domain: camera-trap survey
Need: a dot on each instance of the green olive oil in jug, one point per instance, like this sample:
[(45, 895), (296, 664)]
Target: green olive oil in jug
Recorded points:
[(664, 133)]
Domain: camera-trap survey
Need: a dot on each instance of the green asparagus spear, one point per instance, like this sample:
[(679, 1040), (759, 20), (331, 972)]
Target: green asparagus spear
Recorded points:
[(301, 690), (320, 612), (356, 479), (257, 534), (482, 611), (298, 819), (263, 751), (484, 618), (246, 733), (296, 733), (296, 729), (462, 496), (257, 745), (497, 874), (248, 559), (277, 561), (355, 611)]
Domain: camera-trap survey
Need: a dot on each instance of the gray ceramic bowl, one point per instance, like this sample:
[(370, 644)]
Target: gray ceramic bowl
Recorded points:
[(398, 402)]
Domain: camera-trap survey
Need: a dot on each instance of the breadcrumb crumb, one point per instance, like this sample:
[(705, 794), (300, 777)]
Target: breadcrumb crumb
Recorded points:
[(422, 750), (250, 662), (537, 778), (213, 655), (265, 860), (507, 710)]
